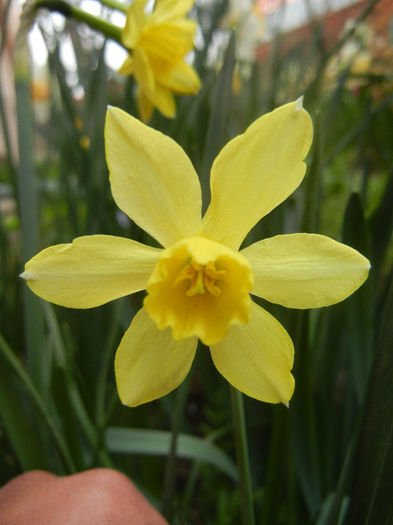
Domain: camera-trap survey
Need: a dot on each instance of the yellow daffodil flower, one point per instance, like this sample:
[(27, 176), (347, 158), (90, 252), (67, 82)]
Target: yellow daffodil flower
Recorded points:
[(199, 284), (159, 41)]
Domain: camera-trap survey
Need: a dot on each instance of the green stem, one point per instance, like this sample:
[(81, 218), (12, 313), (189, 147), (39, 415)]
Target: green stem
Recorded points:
[(170, 469), (113, 4), (28, 212), (239, 424), (69, 11), (21, 373)]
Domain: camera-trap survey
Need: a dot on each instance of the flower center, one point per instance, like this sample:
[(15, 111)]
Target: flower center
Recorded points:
[(202, 277), (199, 288)]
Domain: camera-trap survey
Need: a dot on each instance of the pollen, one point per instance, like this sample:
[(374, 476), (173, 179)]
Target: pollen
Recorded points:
[(202, 277)]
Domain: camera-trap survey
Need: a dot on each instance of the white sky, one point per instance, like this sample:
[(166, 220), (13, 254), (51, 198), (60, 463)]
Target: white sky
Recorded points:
[(296, 12), (114, 53)]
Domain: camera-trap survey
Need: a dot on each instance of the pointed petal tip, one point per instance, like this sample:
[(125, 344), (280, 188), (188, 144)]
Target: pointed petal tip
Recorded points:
[(25, 275), (299, 103), (115, 112)]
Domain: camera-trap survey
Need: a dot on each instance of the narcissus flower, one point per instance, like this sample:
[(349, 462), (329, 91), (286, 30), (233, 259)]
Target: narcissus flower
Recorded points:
[(199, 284), (158, 43)]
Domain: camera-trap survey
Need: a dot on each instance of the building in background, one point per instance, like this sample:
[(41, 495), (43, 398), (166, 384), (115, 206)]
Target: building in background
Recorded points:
[(296, 19)]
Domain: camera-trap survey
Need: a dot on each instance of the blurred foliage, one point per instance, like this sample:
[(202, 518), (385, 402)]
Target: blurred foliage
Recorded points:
[(328, 459)]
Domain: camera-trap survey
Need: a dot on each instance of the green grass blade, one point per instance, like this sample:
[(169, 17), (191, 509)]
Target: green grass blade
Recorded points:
[(20, 428), (78, 415), (217, 133), (157, 442), (381, 224), (28, 211), (33, 393), (373, 487)]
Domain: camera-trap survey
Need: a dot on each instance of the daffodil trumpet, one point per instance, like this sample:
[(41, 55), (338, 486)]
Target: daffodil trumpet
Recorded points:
[(200, 284)]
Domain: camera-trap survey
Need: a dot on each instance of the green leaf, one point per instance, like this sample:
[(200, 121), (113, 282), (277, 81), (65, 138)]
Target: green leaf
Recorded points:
[(16, 366), (359, 307), (326, 509), (20, 428), (303, 418), (371, 502), (354, 227), (217, 134), (74, 414), (157, 442), (381, 224), (28, 210)]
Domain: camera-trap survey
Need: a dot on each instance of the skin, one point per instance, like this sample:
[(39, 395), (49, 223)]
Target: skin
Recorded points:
[(99, 496)]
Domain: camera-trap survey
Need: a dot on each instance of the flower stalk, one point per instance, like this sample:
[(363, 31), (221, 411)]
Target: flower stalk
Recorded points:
[(170, 469), (94, 22), (243, 462), (113, 4)]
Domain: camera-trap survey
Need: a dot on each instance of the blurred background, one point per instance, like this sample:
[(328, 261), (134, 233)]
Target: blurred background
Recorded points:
[(329, 458)]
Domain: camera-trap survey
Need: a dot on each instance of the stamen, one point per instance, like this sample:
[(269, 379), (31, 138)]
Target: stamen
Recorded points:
[(202, 278), (197, 284)]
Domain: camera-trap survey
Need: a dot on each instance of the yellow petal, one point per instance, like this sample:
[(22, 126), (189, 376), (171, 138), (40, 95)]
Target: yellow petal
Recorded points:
[(181, 79), (143, 72), (257, 358), (90, 271), (168, 42), (135, 22), (149, 363), (145, 107), (256, 171), (302, 270), (199, 288), (164, 101), (127, 67), (152, 179), (166, 10)]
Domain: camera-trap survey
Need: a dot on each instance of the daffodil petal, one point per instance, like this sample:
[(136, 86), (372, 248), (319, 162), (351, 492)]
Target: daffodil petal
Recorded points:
[(165, 101), (149, 363), (256, 171), (170, 10), (127, 67), (135, 22), (143, 72), (152, 179), (145, 106), (168, 42), (304, 270), (256, 358), (181, 79), (90, 271)]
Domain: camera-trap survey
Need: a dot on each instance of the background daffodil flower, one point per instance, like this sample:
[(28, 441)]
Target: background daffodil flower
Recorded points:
[(159, 42), (199, 284)]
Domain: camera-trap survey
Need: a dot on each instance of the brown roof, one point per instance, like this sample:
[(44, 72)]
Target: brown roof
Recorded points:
[(381, 18)]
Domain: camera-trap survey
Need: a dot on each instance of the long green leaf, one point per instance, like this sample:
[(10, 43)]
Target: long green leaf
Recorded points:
[(28, 210), (157, 442), (20, 428), (371, 502), (32, 391), (381, 224), (79, 416)]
